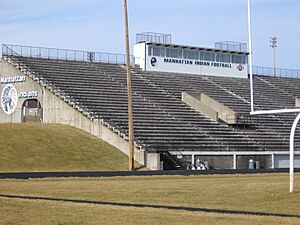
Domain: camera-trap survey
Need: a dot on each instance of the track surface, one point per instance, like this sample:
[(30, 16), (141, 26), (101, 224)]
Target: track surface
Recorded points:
[(191, 209), (134, 173)]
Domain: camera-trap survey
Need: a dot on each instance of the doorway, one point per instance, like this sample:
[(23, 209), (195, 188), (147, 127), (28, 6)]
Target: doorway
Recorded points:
[(32, 111)]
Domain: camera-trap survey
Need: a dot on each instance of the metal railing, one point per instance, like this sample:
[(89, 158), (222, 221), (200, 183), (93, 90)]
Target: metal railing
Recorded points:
[(231, 46), (65, 54), (154, 38), (278, 72), (243, 119)]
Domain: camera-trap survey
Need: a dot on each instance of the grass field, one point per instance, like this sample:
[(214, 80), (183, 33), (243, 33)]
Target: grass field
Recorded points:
[(53, 147), (256, 193)]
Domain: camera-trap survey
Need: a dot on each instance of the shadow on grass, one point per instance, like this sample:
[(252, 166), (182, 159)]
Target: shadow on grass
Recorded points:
[(191, 209)]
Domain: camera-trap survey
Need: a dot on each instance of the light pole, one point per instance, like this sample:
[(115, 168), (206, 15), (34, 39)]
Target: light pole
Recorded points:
[(130, 116), (274, 44)]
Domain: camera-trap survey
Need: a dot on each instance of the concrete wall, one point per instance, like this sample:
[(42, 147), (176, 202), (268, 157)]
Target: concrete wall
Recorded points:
[(283, 161), (217, 161), (210, 107), (224, 113), (153, 161), (56, 110), (195, 102), (199, 67), (297, 102), (139, 53), (265, 161), (29, 85)]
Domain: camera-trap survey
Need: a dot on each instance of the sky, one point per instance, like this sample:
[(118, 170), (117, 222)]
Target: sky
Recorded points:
[(97, 25)]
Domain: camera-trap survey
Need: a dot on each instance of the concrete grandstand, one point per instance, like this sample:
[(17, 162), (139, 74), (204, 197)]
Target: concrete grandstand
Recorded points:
[(180, 119)]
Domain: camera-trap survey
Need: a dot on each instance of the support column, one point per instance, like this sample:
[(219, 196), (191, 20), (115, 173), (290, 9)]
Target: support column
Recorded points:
[(234, 162), (273, 160), (193, 159), (153, 161)]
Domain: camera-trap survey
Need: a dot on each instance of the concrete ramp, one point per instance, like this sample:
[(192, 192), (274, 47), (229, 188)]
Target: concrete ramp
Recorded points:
[(210, 107)]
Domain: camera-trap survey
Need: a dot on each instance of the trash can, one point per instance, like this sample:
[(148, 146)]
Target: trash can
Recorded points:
[(206, 164), (161, 165), (257, 165), (251, 164), (198, 164)]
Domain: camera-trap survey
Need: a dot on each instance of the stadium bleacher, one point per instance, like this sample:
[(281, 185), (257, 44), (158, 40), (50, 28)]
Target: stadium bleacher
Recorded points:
[(162, 121)]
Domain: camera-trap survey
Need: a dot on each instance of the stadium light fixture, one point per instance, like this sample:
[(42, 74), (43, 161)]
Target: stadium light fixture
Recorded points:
[(274, 45), (277, 111), (130, 111)]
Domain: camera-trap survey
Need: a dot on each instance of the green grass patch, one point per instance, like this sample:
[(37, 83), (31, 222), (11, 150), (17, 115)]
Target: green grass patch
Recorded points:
[(24, 212), (256, 193), (54, 147)]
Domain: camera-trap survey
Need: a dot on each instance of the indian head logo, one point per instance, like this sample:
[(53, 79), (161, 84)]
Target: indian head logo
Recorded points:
[(240, 67), (9, 99)]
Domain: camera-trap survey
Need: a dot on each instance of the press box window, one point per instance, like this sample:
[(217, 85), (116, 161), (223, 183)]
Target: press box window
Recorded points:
[(185, 54), (168, 52), (218, 57), (150, 51), (163, 52), (193, 55), (237, 59), (201, 55), (207, 56), (180, 54), (175, 53), (245, 60), (224, 58), (156, 51)]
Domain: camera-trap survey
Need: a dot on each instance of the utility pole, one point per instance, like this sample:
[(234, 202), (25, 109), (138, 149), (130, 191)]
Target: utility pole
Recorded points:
[(130, 116), (274, 44)]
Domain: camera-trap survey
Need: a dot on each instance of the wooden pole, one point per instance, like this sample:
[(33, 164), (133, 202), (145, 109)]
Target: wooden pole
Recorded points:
[(130, 116)]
